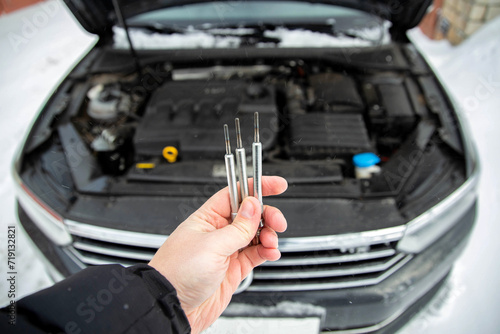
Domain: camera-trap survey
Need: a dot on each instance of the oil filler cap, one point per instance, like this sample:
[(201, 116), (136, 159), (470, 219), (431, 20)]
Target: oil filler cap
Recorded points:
[(170, 153)]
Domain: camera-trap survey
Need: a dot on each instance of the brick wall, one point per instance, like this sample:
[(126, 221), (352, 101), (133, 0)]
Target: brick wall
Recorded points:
[(428, 25), (7, 6), (459, 19)]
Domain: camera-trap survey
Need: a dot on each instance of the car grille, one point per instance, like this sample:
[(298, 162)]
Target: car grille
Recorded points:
[(327, 268)]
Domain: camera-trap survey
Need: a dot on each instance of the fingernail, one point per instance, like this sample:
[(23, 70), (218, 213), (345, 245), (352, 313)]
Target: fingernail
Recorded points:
[(247, 209)]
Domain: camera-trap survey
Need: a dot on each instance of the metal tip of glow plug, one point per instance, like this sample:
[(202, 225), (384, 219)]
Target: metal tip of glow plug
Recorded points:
[(256, 127), (226, 136), (239, 143)]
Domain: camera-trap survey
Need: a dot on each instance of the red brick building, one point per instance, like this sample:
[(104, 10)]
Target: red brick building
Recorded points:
[(7, 6), (456, 20)]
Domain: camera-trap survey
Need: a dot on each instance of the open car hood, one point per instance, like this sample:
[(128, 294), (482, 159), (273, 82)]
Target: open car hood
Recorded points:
[(98, 16)]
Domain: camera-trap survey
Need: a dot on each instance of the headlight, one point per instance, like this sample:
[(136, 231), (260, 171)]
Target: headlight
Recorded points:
[(431, 225), (51, 223)]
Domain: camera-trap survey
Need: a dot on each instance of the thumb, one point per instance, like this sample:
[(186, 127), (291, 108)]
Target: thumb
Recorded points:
[(239, 234)]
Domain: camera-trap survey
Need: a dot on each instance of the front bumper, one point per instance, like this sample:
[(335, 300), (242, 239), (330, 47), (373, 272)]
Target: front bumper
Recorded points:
[(379, 308)]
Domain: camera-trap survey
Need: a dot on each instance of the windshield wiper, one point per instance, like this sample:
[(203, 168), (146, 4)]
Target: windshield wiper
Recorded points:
[(327, 28), (158, 28), (251, 36)]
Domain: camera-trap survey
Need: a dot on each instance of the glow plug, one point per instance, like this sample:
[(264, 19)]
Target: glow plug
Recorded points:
[(241, 162), (257, 172), (231, 175)]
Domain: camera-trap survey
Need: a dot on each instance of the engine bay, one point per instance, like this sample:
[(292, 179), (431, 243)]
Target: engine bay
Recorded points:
[(115, 136), (114, 132), (314, 119)]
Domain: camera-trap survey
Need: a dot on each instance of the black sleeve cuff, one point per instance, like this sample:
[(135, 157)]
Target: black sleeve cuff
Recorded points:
[(104, 299), (164, 292)]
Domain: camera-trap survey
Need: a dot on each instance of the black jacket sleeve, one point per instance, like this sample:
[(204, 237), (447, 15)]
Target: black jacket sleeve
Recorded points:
[(101, 299)]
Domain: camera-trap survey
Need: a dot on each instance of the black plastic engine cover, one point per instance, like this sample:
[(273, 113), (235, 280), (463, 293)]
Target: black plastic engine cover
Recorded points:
[(321, 135), (336, 92), (190, 115), (390, 112)]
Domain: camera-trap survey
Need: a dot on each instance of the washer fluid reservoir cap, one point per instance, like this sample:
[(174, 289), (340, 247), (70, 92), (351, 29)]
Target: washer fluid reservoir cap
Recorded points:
[(365, 160)]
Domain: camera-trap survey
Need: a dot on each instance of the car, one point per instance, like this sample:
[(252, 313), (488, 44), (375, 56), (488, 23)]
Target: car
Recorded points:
[(381, 167)]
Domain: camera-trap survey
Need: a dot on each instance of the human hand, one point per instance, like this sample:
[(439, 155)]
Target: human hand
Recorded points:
[(206, 257)]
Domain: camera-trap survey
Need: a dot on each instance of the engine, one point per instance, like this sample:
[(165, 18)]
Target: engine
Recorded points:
[(189, 115), (306, 114)]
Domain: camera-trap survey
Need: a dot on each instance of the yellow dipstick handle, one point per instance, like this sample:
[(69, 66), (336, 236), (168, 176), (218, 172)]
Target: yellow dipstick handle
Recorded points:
[(170, 153)]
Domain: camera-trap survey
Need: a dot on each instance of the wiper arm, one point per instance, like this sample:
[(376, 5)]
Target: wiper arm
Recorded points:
[(248, 38), (158, 28), (329, 28), (353, 33), (258, 31)]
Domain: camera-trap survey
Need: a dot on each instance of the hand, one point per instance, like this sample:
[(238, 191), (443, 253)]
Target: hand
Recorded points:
[(206, 257)]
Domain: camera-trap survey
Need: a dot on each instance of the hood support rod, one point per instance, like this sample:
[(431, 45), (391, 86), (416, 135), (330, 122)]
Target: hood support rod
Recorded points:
[(121, 20)]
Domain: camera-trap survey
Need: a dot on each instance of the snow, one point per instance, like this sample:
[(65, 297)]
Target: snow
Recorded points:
[(470, 300), (191, 39), (278, 325), (286, 308), (301, 38), (39, 45)]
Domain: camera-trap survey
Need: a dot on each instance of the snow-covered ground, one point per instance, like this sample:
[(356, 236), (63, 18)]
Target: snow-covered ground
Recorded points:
[(470, 301), (39, 45)]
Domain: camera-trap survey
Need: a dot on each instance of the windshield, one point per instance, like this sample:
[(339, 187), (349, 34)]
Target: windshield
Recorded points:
[(263, 24), (222, 13)]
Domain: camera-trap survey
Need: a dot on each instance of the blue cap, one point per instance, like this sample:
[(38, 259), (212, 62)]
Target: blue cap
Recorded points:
[(365, 160)]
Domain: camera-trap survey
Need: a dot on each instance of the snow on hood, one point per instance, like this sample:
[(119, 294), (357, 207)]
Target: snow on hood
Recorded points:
[(193, 39)]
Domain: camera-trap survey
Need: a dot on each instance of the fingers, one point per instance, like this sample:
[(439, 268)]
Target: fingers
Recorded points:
[(274, 222), (271, 185), (237, 235), (274, 219), (270, 254), (219, 203), (268, 238), (240, 233), (252, 257), (249, 258)]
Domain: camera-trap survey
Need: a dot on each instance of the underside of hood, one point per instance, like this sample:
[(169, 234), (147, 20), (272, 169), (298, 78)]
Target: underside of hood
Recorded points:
[(98, 16)]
